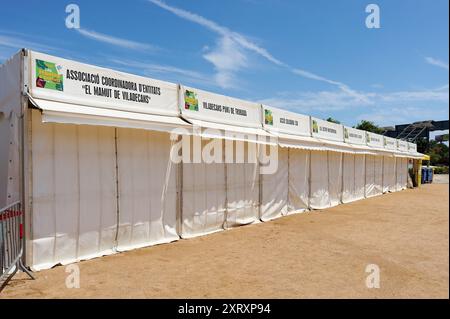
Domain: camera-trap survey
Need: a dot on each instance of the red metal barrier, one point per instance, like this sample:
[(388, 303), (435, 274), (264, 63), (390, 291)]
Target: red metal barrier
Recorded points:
[(11, 243)]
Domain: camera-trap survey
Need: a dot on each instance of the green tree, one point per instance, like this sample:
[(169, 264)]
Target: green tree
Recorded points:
[(422, 145), (438, 153), (369, 126), (332, 120)]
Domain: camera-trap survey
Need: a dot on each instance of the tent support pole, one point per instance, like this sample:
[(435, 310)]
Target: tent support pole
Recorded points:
[(116, 238), (309, 179), (288, 179), (382, 175), (342, 179), (365, 175), (354, 176), (328, 177), (260, 181), (179, 189)]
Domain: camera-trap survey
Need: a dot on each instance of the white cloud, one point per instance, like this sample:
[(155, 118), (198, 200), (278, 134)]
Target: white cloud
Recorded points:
[(247, 44), (437, 62), (227, 59), (124, 43), (442, 88), (221, 30), (413, 96), (305, 102), (402, 115)]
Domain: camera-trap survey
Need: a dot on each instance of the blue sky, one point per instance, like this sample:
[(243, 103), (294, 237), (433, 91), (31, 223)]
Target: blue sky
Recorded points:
[(312, 57)]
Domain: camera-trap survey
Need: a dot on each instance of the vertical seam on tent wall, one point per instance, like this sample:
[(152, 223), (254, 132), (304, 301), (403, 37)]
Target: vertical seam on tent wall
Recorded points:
[(116, 236), (309, 179), (54, 190), (365, 175), (354, 176), (27, 178), (179, 179), (100, 217), (179, 187), (374, 173), (77, 241), (225, 169), (395, 172), (382, 174), (205, 185), (328, 176), (21, 125), (150, 178), (258, 175), (288, 179), (133, 133), (260, 181), (341, 192)]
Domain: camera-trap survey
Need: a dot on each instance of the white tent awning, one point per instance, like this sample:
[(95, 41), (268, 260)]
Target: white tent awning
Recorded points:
[(57, 112), (208, 129)]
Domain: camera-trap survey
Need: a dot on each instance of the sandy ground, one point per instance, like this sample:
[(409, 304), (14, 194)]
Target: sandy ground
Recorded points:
[(317, 254)]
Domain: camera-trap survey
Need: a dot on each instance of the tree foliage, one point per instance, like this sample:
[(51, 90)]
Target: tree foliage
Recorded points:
[(332, 120), (438, 153), (369, 126)]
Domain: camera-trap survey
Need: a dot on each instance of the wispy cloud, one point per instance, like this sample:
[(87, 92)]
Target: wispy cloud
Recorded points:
[(233, 39), (345, 88), (219, 29), (441, 95), (227, 58), (402, 114), (152, 69), (442, 88), (120, 42), (305, 102), (437, 62), (18, 41)]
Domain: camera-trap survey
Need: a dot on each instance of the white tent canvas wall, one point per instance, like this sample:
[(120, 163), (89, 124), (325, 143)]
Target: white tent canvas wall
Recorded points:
[(326, 166), (68, 218), (90, 153), (299, 161), (286, 191), (204, 198), (389, 174), (374, 165), (99, 183), (242, 190), (353, 166), (275, 189), (389, 166), (222, 192)]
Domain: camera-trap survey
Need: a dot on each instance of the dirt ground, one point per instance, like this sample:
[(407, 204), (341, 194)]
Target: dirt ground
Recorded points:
[(320, 254)]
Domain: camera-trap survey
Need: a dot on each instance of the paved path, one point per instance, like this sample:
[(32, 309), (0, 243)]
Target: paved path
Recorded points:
[(440, 179)]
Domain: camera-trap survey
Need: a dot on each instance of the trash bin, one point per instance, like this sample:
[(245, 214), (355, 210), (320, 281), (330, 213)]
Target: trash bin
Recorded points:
[(430, 175), (424, 175)]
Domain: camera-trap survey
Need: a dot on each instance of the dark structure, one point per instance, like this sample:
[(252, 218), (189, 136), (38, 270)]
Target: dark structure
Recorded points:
[(411, 132)]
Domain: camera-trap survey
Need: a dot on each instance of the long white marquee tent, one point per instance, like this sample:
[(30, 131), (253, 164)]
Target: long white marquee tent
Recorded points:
[(90, 152)]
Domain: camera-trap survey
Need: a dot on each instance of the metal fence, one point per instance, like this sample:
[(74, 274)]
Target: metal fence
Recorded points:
[(11, 242)]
